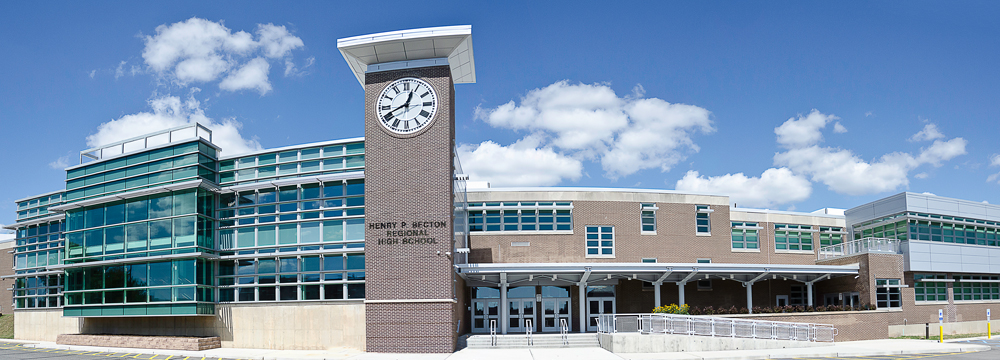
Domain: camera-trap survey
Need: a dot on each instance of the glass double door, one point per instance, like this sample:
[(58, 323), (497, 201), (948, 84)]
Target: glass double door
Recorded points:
[(520, 313), (483, 313), (554, 311), (597, 306)]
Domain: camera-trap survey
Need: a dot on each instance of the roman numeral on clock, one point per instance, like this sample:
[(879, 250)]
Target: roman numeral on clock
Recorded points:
[(425, 114), (387, 117), (406, 86), (386, 107), (425, 94), (428, 103), (395, 124)]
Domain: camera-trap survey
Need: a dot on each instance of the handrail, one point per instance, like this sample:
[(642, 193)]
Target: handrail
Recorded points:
[(715, 327), (493, 333), (564, 331), (860, 246), (527, 328)]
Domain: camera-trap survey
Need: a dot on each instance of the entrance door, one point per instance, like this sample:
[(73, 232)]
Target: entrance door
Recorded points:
[(554, 310), (597, 306), (518, 311), (483, 311)]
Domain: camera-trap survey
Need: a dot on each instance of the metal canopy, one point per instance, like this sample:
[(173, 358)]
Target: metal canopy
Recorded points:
[(598, 273), (451, 42)]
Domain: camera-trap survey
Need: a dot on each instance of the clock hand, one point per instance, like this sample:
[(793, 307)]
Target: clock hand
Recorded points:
[(406, 104)]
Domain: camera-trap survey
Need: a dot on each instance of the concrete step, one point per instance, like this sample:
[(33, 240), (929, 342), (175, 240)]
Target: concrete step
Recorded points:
[(538, 341)]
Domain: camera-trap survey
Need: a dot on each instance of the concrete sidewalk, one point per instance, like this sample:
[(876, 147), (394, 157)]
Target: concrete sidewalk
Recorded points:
[(850, 348)]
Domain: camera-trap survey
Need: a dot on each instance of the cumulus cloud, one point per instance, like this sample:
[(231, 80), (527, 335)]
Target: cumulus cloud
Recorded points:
[(803, 130), (252, 76), (591, 122), (199, 50), (523, 163), (775, 186), (168, 112), (922, 175), (843, 171), (930, 132), (61, 163)]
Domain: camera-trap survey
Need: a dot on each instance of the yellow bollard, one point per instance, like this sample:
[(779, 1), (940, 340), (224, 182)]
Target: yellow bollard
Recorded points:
[(941, 333), (989, 332)]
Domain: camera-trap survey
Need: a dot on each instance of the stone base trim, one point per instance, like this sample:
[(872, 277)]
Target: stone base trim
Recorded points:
[(142, 342), (411, 301)]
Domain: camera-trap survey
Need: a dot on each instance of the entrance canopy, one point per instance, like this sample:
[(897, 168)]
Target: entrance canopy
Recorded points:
[(656, 273)]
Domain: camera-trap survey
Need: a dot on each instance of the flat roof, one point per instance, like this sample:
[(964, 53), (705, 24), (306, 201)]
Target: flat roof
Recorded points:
[(451, 42)]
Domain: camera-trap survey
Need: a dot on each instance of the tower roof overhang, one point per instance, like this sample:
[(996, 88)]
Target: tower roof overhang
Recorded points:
[(451, 45)]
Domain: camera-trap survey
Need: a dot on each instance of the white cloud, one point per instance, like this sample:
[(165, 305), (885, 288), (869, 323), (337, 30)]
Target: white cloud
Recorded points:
[(523, 163), (277, 41), (838, 128), (775, 186), (292, 70), (61, 163), (6, 235), (168, 112), (994, 161), (589, 121), (804, 130), (199, 50), (92, 73), (252, 76), (843, 171), (930, 132), (922, 175), (942, 151), (929, 193)]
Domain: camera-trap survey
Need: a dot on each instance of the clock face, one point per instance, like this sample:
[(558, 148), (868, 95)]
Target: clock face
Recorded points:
[(406, 105)]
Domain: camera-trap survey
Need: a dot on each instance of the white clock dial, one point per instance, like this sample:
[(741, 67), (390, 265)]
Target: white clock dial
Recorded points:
[(406, 105)]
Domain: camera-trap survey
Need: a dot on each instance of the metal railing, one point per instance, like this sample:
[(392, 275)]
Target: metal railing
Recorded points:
[(527, 331), (564, 331), (861, 246), (493, 333), (715, 327)]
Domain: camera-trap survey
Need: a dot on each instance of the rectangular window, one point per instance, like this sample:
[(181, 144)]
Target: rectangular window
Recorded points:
[(887, 294), (648, 218), (520, 217), (745, 235), (600, 241), (703, 220), (793, 237), (649, 260), (976, 288)]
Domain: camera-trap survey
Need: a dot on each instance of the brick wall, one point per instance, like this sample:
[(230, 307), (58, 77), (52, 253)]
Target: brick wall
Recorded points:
[(675, 239), (409, 178)]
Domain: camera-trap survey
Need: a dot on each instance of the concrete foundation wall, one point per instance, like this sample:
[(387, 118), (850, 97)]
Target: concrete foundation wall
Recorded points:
[(43, 325), (963, 327), (312, 326), (851, 325), (639, 343)]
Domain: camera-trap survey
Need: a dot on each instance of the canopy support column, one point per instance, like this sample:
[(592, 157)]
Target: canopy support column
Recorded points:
[(809, 288), (582, 291), (656, 294), (503, 303)]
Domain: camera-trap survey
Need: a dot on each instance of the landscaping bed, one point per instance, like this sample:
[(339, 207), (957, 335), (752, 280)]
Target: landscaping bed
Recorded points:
[(142, 342)]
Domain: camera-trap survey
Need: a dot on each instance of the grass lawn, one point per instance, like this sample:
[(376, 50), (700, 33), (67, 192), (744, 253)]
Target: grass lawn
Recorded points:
[(7, 326), (996, 335)]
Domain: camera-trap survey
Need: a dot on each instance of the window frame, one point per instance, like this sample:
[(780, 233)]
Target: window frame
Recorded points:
[(647, 211), (703, 212), (599, 232)]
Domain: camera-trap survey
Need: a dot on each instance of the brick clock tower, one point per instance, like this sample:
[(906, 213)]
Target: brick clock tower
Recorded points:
[(408, 76)]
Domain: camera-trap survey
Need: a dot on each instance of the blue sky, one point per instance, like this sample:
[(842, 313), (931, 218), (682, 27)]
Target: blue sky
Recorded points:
[(622, 94)]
